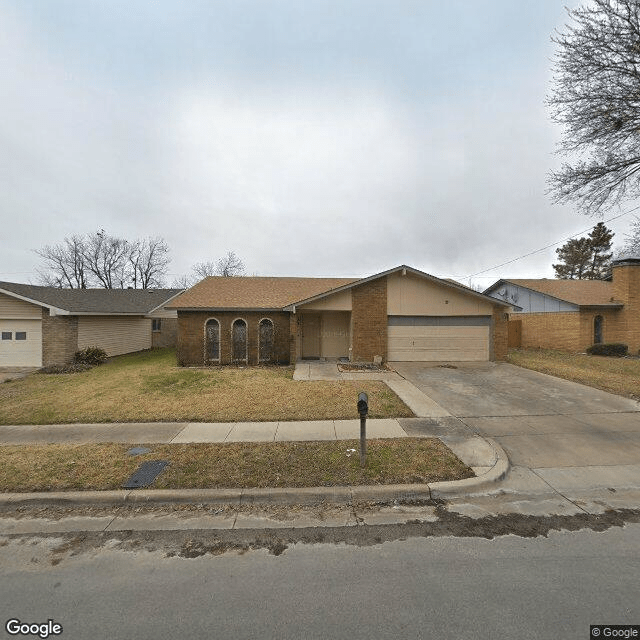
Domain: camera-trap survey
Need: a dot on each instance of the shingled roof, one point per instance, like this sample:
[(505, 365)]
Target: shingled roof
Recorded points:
[(584, 293), (92, 301), (219, 292)]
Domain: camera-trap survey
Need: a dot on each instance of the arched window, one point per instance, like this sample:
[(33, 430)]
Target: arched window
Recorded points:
[(265, 340), (239, 341), (212, 339), (597, 330)]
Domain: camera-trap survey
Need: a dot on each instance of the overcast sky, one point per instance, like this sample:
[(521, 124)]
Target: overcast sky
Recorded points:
[(333, 138)]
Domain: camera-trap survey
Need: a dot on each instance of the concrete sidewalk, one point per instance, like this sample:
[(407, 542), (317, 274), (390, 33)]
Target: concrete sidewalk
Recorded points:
[(475, 451), (176, 432)]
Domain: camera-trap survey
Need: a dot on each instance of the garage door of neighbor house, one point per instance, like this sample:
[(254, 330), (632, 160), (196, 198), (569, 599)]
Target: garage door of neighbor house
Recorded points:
[(438, 338), (20, 343)]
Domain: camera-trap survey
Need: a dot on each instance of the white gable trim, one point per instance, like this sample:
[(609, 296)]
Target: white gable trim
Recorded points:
[(54, 311), (404, 269)]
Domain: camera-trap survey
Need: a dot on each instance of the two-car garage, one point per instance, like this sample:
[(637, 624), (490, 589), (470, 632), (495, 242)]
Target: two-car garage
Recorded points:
[(430, 320), (438, 338)]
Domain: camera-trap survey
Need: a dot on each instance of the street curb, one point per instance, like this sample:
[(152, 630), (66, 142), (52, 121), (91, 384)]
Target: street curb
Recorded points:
[(273, 496), (479, 484)]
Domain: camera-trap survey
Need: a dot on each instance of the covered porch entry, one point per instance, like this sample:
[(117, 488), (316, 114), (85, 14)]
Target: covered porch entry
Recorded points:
[(324, 335)]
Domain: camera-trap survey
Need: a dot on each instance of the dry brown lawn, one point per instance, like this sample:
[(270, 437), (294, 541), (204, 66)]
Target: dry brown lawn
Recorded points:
[(232, 465), (149, 387), (617, 375)]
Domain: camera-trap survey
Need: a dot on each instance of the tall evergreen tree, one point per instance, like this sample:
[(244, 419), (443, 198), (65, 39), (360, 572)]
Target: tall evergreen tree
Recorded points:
[(586, 258), (600, 240), (575, 259)]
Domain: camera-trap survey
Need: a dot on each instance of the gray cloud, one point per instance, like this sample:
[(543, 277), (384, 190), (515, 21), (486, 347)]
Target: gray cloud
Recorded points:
[(331, 140)]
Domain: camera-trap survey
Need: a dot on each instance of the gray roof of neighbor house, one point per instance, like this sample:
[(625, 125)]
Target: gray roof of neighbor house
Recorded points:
[(92, 301), (584, 293)]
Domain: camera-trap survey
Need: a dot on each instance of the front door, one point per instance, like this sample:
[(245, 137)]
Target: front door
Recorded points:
[(310, 335)]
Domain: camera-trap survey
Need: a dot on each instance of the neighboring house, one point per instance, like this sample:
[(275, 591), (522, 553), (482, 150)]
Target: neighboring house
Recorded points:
[(572, 315), (400, 314), (41, 326)]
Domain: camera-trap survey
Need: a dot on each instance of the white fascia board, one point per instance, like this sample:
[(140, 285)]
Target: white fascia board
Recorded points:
[(105, 313), (237, 309), (54, 311), (167, 301)]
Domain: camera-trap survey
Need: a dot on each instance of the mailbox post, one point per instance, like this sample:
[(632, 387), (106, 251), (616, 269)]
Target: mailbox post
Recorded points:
[(363, 410)]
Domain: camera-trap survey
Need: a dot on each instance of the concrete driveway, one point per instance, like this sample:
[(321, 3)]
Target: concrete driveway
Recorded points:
[(569, 435)]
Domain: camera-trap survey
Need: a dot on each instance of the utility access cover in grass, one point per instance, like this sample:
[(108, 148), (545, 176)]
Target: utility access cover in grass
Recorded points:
[(146, 473)]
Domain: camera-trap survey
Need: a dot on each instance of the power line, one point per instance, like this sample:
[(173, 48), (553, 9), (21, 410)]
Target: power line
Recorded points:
[(531, 253)]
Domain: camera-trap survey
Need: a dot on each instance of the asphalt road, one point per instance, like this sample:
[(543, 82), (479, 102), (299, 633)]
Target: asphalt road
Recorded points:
[(508, 587)]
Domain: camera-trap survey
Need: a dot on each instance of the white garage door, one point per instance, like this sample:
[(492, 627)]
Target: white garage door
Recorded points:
[(438, 338), (20, 343)]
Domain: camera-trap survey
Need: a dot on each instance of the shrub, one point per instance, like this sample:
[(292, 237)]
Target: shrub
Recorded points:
[(66, 368), (615, 349), (91, 355)]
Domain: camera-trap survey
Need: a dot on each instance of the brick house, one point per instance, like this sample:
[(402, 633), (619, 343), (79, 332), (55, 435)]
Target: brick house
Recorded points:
[(42, 326), (571, 315), (400, 314)]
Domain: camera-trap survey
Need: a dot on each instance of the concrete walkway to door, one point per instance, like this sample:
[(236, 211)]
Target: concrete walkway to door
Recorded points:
[(421, 405)]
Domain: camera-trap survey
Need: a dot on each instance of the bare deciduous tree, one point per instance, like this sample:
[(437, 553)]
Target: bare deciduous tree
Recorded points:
[(596, 97), (632, 243), (230, 265), (64, 265), (182, 282), (105, 261), (203, 270), (148, 261), (106, 258)]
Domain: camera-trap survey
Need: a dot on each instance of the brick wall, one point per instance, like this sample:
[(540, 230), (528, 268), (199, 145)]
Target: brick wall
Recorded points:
[(569, 331), (499, 335), (610, 326), (190, 348), (369, 320), (59, 338), (168, 334), (551, 330), (293, 337), (626, 289)]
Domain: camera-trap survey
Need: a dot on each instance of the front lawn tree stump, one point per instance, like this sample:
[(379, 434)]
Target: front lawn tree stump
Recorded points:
[(363, 410)]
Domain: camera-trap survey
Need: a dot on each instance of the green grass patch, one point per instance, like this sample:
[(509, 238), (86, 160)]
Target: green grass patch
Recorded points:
[(231, 465)]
